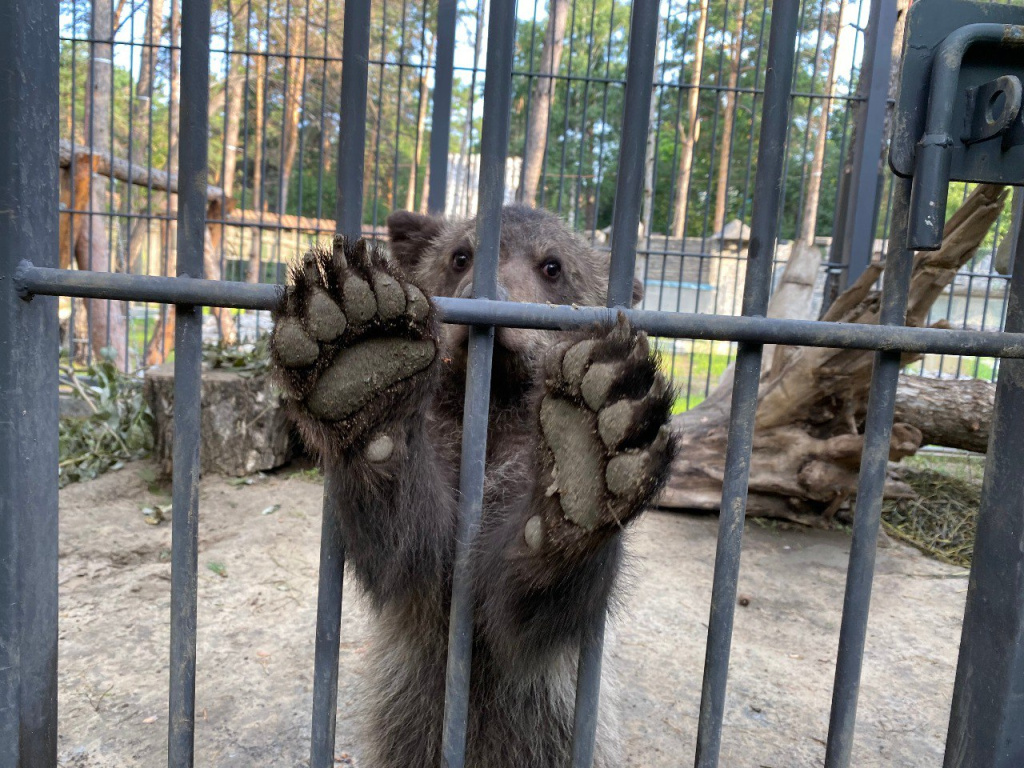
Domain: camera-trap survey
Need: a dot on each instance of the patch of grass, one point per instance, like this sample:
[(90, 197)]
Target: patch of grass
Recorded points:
[(219, 568), (693, 372), (942, 519), (311, 474), (979, 368), (117, 427)]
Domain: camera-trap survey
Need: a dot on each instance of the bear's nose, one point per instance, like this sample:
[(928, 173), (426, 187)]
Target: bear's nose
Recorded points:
[(467, 292)]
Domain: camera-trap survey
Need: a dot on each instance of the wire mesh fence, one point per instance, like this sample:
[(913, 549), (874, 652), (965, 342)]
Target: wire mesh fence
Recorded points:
[(101, 239), (274, 115)]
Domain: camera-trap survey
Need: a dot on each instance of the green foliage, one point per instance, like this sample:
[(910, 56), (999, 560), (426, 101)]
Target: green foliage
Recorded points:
[(693, 374), (584, 127), (246, 360), (117, 428)]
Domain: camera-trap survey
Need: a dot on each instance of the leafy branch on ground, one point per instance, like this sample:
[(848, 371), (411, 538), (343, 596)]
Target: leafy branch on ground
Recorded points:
[(250, 359), (116, 425)]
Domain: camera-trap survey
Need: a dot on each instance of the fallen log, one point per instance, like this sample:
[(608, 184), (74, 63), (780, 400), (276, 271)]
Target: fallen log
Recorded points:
[(953, 413), (812, 401)]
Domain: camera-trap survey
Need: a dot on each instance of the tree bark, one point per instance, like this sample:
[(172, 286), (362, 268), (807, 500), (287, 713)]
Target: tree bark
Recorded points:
[(421, 127), (235, 88), (295, 77), (691, 131), (795, 292), (809, 215), (953, 413), (255, 252), (647, 207), (162, 341), (461, 204), (147, 65), (92, 191), (540, 102), (728, 118), (811, 405)]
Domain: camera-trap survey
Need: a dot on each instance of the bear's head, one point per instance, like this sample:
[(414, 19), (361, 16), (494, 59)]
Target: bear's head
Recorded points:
[(541, 260)]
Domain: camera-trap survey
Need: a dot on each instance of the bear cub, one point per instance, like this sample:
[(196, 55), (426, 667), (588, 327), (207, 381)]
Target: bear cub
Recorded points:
[(578, 445)]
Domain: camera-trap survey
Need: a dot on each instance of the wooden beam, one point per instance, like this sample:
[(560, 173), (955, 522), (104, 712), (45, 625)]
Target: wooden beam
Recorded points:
[(132, 173)]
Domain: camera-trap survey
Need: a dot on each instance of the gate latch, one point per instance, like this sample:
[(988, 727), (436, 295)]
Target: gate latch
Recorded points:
[(960, 111), (992, 109)]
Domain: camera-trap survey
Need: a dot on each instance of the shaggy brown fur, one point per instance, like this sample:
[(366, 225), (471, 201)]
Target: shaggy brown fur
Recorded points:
[(578, 444)]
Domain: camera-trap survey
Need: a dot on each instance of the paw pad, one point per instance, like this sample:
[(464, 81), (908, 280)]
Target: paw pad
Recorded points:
[(604, 420), (353, 342)]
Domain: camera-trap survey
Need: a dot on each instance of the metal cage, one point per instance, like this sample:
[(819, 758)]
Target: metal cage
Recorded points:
[(988, 702)]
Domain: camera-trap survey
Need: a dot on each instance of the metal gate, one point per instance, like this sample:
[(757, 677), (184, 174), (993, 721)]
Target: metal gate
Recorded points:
[(988, 700)]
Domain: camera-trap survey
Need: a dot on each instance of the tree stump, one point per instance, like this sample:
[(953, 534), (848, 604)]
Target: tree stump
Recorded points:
[(243, 427)]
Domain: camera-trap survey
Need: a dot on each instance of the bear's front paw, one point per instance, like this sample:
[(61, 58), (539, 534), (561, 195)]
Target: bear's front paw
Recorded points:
[(605, 425), (354, 344)]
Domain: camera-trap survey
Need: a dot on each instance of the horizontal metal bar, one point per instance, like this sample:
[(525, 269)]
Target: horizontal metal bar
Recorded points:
[(118, 286), (44, 281)]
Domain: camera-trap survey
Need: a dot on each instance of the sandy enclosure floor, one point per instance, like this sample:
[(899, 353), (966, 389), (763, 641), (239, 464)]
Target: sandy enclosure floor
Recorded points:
[(257, 603)]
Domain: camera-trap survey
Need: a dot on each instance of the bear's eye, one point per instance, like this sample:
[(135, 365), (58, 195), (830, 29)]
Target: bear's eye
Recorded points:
[(460, 260), (551, 268)]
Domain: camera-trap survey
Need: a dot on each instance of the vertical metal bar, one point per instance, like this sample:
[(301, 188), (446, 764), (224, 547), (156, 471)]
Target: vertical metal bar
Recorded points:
[(643, 43), (28, 387), (855, 242), (761, 253), (188, 349), (493, 151), (349, 179), (441, 112), (328, 628), (985, 724), (867, 514), (352, 125)]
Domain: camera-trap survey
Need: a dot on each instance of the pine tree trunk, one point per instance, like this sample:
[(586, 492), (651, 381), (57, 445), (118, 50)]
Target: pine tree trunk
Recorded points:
[(421, 128), (255, 252), (462, 205), (647, 207), (540, 101), (728, 118), (690, 132), (235, 88), (809, 216), (140, 144), (794, 295), (92, 249), (162, 342), (295, 77)]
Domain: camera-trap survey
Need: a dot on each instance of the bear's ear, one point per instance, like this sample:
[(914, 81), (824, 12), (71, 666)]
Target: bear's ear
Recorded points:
[(638, 291), (411, 234)]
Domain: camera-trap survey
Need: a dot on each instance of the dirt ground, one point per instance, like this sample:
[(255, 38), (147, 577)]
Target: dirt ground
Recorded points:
[(257, 601)]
